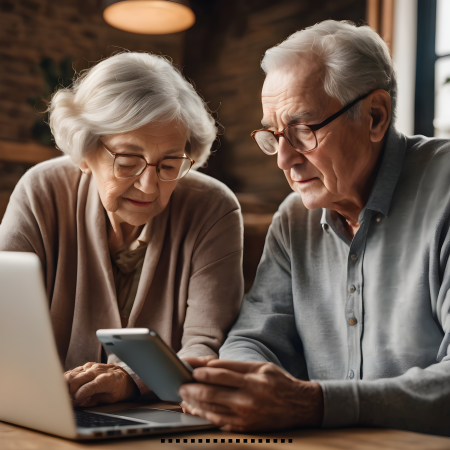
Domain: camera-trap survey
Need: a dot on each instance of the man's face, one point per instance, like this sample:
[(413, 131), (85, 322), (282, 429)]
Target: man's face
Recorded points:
[(337, 170)]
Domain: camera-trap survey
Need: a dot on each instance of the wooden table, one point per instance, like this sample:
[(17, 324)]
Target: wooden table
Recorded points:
[(17, 438)]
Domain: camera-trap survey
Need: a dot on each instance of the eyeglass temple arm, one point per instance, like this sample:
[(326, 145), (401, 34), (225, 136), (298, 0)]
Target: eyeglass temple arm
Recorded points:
[(335, 116), (148, 164)]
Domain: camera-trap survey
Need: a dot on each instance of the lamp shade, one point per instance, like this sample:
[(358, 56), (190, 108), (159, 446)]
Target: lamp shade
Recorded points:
[(149, 16)]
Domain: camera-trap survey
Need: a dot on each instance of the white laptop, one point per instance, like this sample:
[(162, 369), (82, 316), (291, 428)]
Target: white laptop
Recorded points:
[(33, 392)]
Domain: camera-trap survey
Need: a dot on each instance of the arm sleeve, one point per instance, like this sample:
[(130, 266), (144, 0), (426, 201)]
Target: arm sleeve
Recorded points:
[(216, 287), (418, 400), (19, 229), (265, 329)]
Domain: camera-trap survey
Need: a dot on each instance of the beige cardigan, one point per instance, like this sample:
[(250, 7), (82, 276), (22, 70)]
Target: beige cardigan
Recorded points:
[(191, 284)]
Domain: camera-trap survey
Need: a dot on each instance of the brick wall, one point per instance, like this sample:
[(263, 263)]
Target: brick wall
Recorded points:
[(31, 30), (223, 57), (221, 53)]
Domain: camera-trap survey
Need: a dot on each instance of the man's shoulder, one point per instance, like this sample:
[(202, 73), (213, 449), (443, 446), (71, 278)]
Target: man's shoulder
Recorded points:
[(423, 151), (427, 163)]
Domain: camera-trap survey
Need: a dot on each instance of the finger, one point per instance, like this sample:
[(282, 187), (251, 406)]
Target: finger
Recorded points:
[(81, 379), (236, 366), (186, 407), (219, 376), (89, 402), (220, 395), (94, 387), (211, 407), (70, 374), (199, 361), (85, 403), (218, 419)]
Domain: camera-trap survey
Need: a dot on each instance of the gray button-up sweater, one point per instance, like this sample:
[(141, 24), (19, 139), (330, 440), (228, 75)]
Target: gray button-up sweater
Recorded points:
[(369, 319)]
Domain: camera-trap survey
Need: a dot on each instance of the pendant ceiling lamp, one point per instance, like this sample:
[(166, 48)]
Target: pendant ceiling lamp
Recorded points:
[(149, 16)]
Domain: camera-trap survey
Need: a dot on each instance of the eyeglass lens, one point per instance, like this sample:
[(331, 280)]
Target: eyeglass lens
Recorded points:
[(301, 138), (126, 166)]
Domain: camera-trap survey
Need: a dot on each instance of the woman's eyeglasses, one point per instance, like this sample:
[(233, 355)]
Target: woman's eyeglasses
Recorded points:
[(300, 137), (170, 168)]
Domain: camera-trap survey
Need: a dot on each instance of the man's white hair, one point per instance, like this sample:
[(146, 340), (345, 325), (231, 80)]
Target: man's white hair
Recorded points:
[(123, 93), (355, 59)]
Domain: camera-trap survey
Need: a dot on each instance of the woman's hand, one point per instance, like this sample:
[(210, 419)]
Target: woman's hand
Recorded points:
[(96, 383)]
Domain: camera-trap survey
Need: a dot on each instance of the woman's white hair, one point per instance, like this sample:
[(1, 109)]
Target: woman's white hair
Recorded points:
[(355, 59), (123, 93)]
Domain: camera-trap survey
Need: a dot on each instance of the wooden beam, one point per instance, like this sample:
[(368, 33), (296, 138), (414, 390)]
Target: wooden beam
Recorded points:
[(26, 152), (373, 14), (387, 22)]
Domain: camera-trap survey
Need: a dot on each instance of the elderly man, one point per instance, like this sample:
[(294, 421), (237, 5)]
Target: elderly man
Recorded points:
[(348, 321)]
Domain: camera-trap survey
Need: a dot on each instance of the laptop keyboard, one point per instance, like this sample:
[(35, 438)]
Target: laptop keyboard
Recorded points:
[(86, 419)]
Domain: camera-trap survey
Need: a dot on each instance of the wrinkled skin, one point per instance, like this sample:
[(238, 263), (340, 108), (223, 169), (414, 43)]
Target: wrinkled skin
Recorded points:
[(95, 383), (340, 172), (250, 396), (151, 141)]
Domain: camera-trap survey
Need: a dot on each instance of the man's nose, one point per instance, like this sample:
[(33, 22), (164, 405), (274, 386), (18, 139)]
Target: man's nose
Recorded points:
[(287, 156), (148, 181)]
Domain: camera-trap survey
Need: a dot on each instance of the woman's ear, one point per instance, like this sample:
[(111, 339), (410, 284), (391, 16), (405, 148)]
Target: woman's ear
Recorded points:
[(379, 102), (84, 167)]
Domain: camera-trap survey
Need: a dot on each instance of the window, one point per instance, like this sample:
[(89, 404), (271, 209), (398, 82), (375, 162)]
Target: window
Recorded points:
[(432, 105)]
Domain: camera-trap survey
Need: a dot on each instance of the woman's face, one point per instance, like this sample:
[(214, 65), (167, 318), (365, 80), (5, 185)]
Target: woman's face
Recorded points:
[(136, 200)]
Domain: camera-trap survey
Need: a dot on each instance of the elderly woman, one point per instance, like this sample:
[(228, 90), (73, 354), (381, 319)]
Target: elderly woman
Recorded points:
[(127, 234)]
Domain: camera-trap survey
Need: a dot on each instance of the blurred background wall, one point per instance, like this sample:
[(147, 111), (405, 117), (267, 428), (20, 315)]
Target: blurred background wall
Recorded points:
[(41, 41)]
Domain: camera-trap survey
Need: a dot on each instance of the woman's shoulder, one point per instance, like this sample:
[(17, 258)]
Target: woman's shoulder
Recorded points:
[(47, 188), (40, 200), (205, 192), (52, 174)]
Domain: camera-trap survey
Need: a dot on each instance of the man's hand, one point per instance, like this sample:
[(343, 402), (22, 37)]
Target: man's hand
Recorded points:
[(96, 383), (252, 396), (199, 361)]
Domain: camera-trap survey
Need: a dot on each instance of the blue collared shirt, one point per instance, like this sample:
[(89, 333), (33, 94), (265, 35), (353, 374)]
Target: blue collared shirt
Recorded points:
[(368, 318)]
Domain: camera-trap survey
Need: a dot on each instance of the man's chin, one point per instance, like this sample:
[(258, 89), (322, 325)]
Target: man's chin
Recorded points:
[(310, 201)]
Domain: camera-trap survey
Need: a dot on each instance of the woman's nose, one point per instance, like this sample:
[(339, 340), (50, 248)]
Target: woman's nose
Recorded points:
[(148, 181), (287, 156)]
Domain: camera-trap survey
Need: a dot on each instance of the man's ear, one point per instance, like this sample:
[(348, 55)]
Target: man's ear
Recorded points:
[(379, 106), (84, 167)]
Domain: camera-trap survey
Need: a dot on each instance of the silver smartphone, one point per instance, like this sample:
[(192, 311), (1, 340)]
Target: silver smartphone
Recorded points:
[(150, 358)]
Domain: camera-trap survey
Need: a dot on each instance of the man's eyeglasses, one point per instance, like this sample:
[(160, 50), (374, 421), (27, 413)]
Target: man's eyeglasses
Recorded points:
[(170, 168), (300, 137)]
